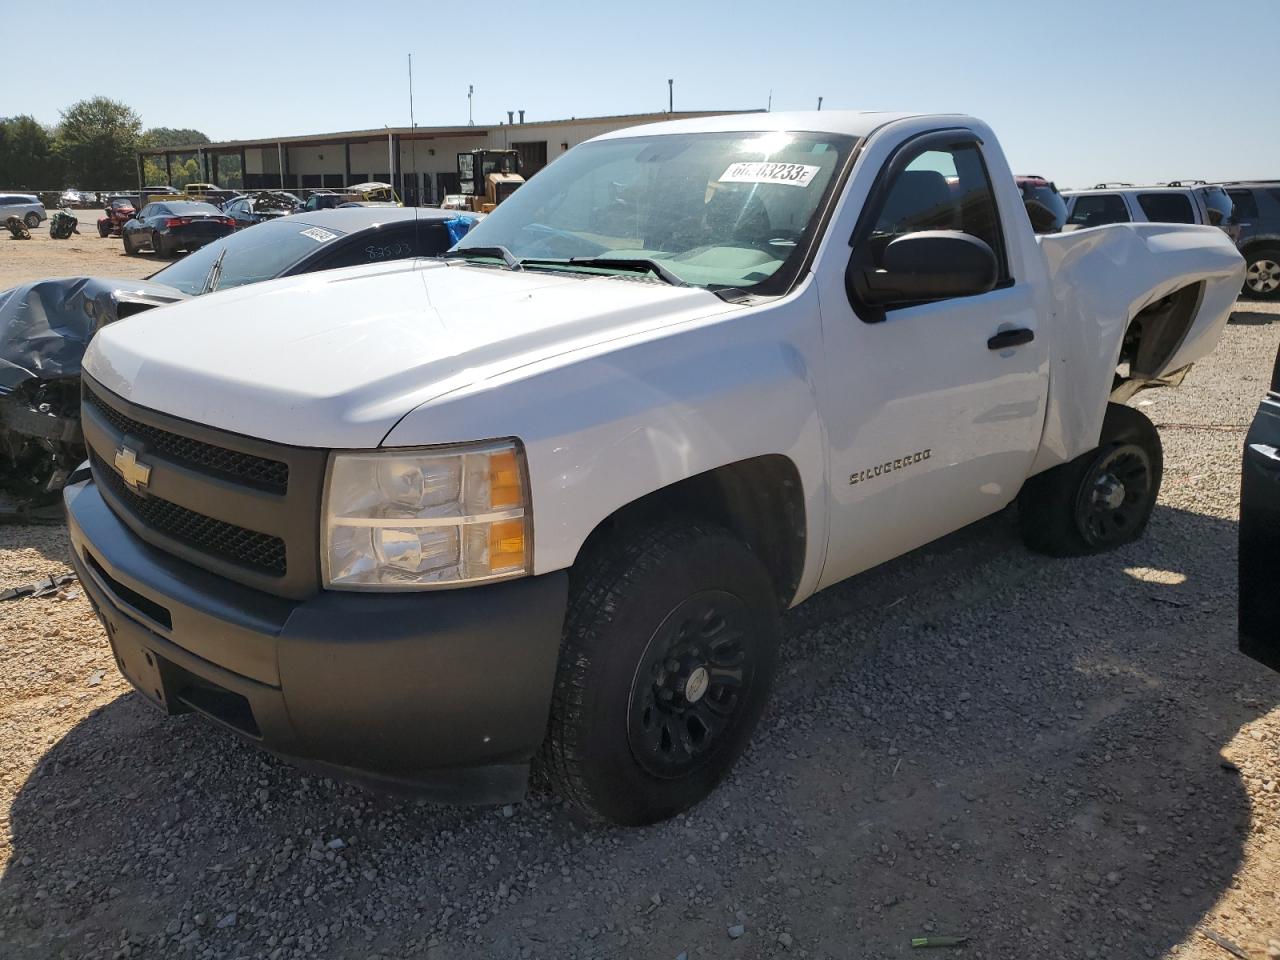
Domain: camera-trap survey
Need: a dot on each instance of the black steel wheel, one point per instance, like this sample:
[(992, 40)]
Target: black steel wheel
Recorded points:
[(1100, 500), (669, 648), (687, 688), (1115, 496)]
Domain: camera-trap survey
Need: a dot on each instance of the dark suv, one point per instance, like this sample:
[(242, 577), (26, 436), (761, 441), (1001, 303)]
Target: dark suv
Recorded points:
[(1257, 216)]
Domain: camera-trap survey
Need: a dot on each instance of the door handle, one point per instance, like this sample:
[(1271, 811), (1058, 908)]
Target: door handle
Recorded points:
[(1011, 338)]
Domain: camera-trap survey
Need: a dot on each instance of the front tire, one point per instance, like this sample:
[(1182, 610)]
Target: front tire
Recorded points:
[(1262, 276), (1102, 499), (669, 651), (32, 220), (129, 249), (104, 230)]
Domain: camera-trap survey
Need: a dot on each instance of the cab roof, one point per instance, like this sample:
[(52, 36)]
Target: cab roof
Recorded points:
[(854, 123)]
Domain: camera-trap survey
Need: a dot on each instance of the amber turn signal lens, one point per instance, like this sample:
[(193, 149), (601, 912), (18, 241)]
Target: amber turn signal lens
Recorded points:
[(504, 480), (506, 545)]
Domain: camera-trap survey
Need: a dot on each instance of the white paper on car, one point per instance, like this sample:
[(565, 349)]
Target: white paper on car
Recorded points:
[(766, 171), (318, 234)]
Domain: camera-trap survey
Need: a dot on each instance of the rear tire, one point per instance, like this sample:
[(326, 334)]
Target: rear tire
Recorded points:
[(1262, 276), (1100, 500), (669, 650), (158, 246), (32, 220)]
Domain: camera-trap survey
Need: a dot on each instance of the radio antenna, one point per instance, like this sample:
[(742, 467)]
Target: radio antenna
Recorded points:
[(413, 163)]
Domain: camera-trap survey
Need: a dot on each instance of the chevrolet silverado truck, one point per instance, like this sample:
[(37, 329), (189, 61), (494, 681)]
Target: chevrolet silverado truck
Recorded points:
[(538, 503)]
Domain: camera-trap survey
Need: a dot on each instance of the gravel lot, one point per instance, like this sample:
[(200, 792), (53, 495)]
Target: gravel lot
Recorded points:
[(1055, 758)]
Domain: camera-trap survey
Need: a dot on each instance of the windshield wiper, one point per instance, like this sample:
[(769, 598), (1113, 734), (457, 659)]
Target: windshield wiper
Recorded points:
[(500, 253), (629, 264), (215, 274)]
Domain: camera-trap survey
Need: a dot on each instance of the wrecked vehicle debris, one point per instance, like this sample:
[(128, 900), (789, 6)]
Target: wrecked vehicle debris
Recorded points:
[(45, 327)]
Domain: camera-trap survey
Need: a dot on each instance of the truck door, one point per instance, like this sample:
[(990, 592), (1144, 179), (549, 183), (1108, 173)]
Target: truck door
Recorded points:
[(933, 410)]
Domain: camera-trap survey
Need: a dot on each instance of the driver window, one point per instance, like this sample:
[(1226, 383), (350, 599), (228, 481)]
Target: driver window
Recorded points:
[(942, 189)]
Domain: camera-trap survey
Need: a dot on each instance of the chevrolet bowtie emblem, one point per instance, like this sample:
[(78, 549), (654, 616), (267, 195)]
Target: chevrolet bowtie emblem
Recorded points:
[(135, 474)]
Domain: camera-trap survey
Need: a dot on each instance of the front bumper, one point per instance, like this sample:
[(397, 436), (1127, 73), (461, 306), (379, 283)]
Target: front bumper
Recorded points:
[(444, 694)]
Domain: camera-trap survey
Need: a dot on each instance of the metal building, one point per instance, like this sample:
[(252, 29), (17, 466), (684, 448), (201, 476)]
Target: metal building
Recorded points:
[(421, 162)]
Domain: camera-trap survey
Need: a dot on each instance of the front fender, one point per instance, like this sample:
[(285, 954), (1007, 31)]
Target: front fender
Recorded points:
[(607, 426)]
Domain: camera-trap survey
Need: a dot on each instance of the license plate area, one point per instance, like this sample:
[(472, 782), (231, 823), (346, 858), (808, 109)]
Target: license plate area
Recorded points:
[(150, 674)]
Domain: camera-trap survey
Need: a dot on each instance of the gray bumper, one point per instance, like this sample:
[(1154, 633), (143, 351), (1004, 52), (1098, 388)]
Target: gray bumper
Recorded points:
[(444, 694)]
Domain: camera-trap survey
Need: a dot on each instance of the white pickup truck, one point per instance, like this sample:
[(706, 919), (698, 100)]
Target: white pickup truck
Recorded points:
[(428, 523)]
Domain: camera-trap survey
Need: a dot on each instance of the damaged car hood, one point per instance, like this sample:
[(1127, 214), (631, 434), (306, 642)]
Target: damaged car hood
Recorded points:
[(336, 359), (45, 326)]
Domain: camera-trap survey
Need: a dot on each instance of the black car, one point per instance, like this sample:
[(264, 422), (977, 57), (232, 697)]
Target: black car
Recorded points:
[(1045, 207), (260, 207), (170, 226), (1257, 218), (1260, 532), (307, 242)]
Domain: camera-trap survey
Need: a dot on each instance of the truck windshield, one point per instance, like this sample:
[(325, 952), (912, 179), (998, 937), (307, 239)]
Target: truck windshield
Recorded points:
[(717, 210)]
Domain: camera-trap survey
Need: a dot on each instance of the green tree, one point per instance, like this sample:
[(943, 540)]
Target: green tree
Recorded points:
[(27, 158), (172, 137), (98, 143)]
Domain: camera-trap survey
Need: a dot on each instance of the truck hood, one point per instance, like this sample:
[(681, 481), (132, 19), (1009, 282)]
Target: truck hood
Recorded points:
[(335, 359)]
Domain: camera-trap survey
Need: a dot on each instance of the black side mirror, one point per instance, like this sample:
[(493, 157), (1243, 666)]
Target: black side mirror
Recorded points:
[(917, 267)]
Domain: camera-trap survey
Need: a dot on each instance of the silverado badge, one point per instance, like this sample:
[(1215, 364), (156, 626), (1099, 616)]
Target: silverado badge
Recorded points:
[(135, 473)]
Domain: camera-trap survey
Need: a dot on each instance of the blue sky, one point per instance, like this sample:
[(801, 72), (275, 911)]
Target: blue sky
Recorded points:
[(1077, 91)]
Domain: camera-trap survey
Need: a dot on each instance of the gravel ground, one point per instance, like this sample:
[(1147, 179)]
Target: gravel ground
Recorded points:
[(1055, 758), (83, 254)]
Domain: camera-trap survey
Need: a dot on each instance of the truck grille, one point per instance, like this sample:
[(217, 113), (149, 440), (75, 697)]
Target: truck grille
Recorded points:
[(260, 473), (248, 548), (237, 506)]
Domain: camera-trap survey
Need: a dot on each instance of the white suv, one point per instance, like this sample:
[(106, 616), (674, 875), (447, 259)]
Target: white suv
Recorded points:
[(1171, 203), (24, 205)]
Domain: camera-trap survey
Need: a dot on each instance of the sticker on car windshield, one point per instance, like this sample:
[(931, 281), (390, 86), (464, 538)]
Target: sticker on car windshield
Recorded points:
[(318, 234), (764, 171)]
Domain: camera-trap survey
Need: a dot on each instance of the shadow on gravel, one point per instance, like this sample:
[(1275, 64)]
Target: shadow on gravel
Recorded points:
[(971, 740), (1253, 318)]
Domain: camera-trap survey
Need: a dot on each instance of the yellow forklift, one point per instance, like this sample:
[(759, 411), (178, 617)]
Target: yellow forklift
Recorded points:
[(487, 177)]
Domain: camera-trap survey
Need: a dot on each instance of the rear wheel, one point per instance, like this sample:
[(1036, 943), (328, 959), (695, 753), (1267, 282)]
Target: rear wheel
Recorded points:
[(32, 220), (157, 244), (1262, 276), (1103, 498), (668, 656)]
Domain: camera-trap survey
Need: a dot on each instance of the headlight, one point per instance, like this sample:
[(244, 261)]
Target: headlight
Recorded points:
[(408, 520)]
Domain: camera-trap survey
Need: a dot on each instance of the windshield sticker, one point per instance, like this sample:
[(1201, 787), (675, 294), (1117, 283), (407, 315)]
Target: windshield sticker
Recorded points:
[(318, 234), (763, 171)]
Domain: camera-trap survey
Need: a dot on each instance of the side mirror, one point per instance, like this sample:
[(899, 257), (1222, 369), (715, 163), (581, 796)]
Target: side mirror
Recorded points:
[(929, 265)]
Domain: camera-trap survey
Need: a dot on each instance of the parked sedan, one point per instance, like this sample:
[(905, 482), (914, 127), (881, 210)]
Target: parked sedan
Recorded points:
[(323, 240), (174, 225), (267, 205)]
